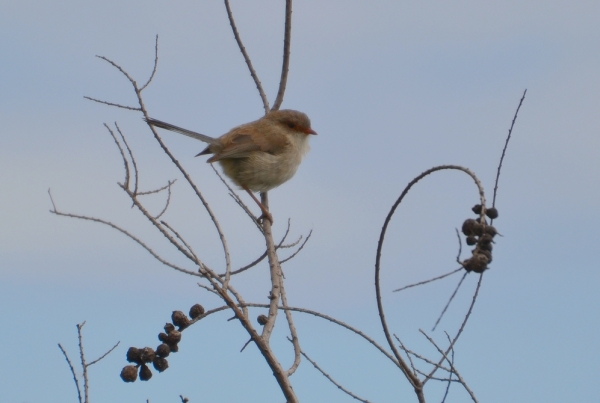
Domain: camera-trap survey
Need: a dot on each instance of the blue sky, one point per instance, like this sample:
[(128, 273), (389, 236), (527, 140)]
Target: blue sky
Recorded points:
[(392, 88)]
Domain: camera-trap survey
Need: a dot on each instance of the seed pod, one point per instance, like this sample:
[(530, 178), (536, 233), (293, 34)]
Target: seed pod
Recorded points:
[(169, 327), (491, 230), (134, 355), (163, 350), (145, 373), (174, 348), (477, 263), (179, 319), (467, 227), (160, 364), (492, 212), (147, 354), (196, 311), (174, 337), (163, 337), (471, 240), (262, 320), (129, 373), (477, 209)]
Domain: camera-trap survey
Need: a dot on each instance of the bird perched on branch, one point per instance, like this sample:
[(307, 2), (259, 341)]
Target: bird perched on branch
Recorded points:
[(260, 155)]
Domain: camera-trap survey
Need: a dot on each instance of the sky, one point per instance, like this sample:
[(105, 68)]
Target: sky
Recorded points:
[(393, 88)]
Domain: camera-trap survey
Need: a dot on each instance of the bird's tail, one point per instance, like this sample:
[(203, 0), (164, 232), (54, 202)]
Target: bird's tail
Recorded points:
[(173, 128)]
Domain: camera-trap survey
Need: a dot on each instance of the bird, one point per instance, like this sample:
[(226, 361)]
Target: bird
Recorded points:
[(260, 155)]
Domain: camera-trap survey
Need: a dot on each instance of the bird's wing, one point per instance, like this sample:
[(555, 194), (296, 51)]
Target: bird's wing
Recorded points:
[(242, 145)]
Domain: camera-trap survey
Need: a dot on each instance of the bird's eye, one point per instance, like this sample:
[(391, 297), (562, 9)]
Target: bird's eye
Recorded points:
[(291, 125)]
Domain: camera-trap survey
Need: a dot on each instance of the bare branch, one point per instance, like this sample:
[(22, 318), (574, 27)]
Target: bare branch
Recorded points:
[(505, 147), (135, 170), (189, 248), (83, 364), (142, 244), (72, 372), (131, 108), (450, 300), (259, 87), (149, 192), (155, 65), (326, 375), (460, 379), (412, 364), (166, 203), (285, 67), (275, 273), (104, 355), (131, 80), (299, 249), (125, 163), (293, 333), (464, 323), (238, 199), (428, 281), (414, 380), (450, 380)]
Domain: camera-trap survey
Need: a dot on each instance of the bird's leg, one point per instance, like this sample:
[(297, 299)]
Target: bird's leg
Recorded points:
[(265, 212)]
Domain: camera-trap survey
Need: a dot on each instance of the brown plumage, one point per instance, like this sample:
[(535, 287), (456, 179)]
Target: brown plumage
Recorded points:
[(260, 155)]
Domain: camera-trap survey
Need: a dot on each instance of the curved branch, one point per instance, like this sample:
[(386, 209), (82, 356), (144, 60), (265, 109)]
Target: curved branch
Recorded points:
[(285, 67), (236, 34), (155, 65), (505, 147), (414, 380)]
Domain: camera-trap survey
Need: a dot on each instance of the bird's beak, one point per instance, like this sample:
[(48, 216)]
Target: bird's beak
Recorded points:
[(310, 131)]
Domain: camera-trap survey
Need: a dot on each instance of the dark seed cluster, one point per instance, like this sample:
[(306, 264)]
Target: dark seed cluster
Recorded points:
[(142, 357), (480, 234)]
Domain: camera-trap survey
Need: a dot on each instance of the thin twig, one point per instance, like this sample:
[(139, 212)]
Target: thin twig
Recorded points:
[(299, 249), (464, 323), (293, 332), (125, 163), (450, 380), (412, 364), (123, 231), (166, 203), (285, 66), (135, 170), (131, 108), (460, 379), (506, 146), (189, 248), (155, 65), (326, 375), (72, 372), (104, 355), (259, 87), (261, 257), (428, 281), (83, 364), (149, 192), (237, 199), (449, 301), (459, 247)]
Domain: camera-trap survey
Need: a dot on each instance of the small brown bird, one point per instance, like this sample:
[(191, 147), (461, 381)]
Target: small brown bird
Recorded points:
[(260, 155)]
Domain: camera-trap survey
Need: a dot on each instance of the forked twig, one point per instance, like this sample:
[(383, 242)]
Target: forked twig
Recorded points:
[(454, 371)]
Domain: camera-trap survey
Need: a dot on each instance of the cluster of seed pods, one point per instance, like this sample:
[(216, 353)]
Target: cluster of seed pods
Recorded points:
[(480, 234), (170, 338)]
